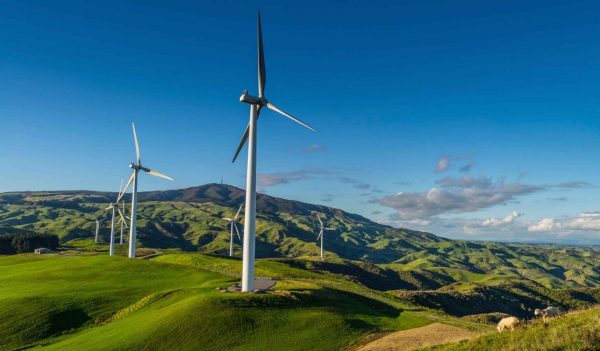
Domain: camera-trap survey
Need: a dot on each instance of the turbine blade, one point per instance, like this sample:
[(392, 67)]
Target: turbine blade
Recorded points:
[(320, 234), (238, 212), (125, 188), (121, 186), (320, 221), (160, 175), (270, 106), (262, 74), (121, 217), (137, 145), (236, 230), (242, 143), (226, 219), (245, 136)]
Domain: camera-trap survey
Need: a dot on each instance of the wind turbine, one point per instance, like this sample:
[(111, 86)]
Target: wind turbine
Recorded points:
[(256, 104), (97, 230), (113, 207), (136, 167), (122, 221), (321, 231), (233, 223), (111, 245)]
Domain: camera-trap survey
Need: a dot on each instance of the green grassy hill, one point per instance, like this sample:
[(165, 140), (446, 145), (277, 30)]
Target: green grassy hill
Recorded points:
[(577, 331), (61, 302), (190, 220)]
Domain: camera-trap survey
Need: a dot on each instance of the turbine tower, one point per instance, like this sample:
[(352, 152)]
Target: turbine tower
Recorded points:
[(136, 167), (233, 223), (321, 231), (256, 104), (111, 246), (97, 230)]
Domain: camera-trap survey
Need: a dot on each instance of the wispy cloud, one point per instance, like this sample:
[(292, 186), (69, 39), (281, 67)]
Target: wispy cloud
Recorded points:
[(328, 197), (442, 164), (311, 149), (466, 168), (573, 185), (355, 183), (271, 179)]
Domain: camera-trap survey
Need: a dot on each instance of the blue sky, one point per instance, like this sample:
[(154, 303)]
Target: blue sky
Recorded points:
[(470, 119)]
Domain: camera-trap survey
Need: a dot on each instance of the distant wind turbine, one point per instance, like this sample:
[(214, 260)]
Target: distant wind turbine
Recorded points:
[(122, 221), (113, 207), (233, 224), (256, 104), (321, 231), (111, 245), (136, 167), (97, 230)]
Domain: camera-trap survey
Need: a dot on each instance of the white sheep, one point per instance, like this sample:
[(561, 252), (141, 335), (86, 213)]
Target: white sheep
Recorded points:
[(548, 313), (507, 323)]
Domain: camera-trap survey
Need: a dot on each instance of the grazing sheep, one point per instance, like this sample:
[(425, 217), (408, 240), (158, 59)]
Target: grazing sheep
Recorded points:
[(507, 323), (550, 312), (538, 313)]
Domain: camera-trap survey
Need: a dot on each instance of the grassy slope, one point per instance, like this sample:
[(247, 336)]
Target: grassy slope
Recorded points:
[(103, 303), (576, 331)]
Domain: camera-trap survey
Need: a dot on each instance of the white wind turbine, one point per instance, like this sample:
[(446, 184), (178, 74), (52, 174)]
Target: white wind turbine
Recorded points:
[(97, 230), (233, 224), (321, 231), (136, 167), (113, 207), (256, 104), (111, 245), (122, 221)]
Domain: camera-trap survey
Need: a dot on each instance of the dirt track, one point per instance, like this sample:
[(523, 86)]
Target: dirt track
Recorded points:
[(432, 334)]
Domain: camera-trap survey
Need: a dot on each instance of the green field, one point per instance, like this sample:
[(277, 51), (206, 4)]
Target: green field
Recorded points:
[(105, 303)]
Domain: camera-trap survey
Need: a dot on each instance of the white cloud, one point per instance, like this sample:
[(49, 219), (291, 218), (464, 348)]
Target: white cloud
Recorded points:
[(456, 195), (442, 164), (463, 194), (545, 225), (493, 222), (585, 221)]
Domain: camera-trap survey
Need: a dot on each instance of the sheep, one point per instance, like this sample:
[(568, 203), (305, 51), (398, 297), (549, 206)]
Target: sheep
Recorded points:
[(548, 313), (508, 322)]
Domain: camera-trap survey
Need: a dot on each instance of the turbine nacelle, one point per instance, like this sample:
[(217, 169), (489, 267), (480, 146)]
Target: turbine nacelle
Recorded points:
[(253, 100)]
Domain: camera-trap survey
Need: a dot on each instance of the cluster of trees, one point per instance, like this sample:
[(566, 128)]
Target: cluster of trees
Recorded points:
[(20, 243)]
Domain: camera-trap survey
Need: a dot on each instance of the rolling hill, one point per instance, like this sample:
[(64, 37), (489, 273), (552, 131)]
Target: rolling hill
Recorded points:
[(378, 256)]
